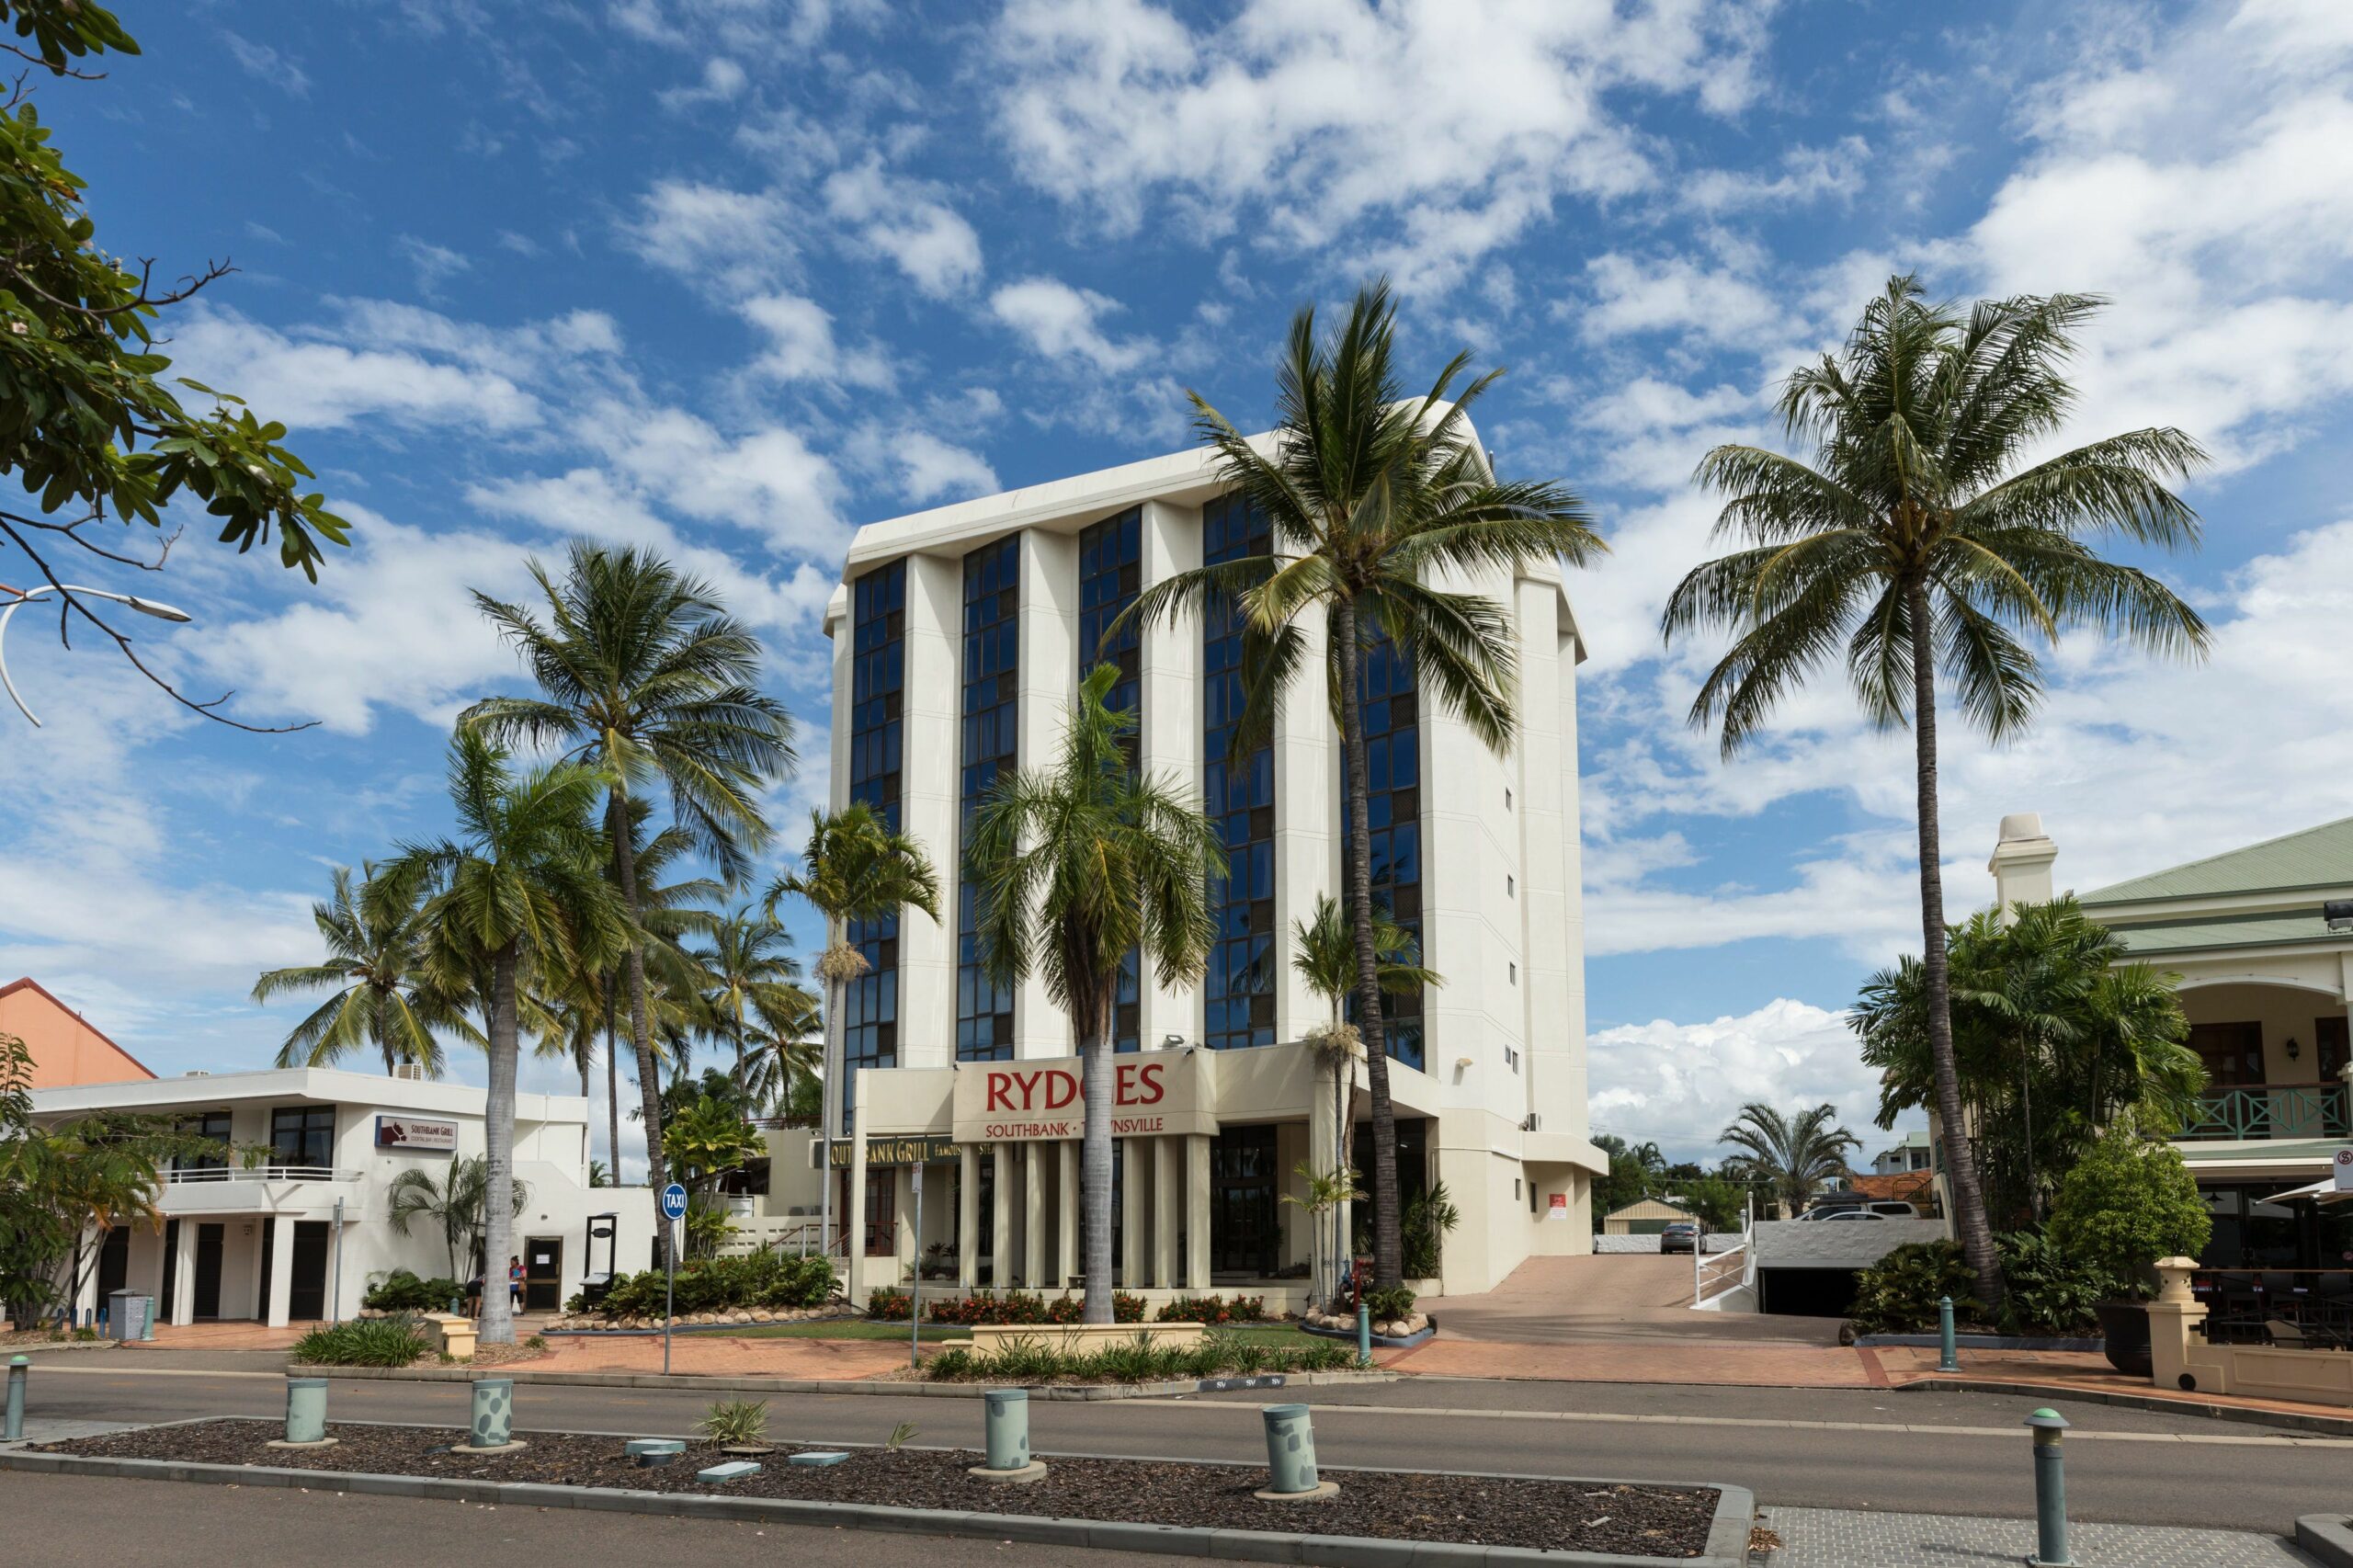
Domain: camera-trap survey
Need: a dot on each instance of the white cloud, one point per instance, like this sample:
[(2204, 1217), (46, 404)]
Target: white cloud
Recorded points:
[(802, 346), (923, 467), (1677, 294), (710, 234), (906, 220), (1060, 323), (323, 385), (1807, 175), (434, 264), (722, 81), (767, 482), (270, 64)]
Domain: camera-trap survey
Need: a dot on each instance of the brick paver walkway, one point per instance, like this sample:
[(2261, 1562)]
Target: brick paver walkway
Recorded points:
[(1747, 1366), (1837, 1538), (716, 1354)]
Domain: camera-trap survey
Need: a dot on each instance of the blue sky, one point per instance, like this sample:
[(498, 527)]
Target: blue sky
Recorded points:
[(730, 277)]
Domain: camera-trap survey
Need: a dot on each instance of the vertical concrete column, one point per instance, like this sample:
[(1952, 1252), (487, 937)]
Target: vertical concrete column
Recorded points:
[(1167, 1208), (279, 1286), (854, 1221), (968, 1217), (930, 803), (1048, 679), (1069, 1211), (1001, 1221), (182, 1306), (1169, 688), (1307, 826), (1196, 1211), (1037, 1222), (1135, 1193)]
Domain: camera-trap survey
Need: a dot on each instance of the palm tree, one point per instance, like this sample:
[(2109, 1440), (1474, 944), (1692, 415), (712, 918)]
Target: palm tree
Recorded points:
[(855, 868), (459, 1207), (521, 892), (1074, 865), (1324, 955), (383, 999), (643, 672), (1920, 536), (751, 983), (1373, 498), (1797, 1155)]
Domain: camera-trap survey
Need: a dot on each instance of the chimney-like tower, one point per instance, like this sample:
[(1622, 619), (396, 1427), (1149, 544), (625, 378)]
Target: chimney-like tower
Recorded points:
[(2021, 862)]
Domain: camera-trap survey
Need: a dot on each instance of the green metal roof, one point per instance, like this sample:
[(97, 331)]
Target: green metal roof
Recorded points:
[(2154, 938), (2315, 857), (2240, 1151)]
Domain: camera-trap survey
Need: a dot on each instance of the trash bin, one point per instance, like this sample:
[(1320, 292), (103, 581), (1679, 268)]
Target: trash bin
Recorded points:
[(131, 1314)]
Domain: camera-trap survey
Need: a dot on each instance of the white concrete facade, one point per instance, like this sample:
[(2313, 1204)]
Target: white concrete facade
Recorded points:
[(1502, 1085), (225, 1223)]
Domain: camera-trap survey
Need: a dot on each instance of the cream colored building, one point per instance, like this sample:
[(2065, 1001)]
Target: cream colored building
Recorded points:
[(959, 636)]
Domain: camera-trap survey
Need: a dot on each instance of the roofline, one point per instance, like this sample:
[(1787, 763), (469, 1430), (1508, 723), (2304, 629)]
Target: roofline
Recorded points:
[(2103, 894), (39, 989), (330, 1086)]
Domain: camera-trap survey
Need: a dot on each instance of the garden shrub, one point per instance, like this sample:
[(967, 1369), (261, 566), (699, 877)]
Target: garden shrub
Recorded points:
[(1396, 1301), (770, 1279), (365, 1342), (1012, 1307), (403, 1291), (2052, 1291), (1898, 1294), (2128, 1202), (1214, 1310), (1028, 1361), (888, 1305)]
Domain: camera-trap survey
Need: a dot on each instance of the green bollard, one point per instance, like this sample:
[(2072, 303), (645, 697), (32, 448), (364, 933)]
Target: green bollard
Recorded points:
[(2050, 1491), (1006, 1420), (493, 1426), (19, 1367), (306, 1414), (1290, 1456), (1948, 1357), (1364, 1334)]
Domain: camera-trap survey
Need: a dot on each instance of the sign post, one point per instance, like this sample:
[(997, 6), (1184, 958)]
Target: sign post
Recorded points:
[(673, 1209), (2344, 1170)]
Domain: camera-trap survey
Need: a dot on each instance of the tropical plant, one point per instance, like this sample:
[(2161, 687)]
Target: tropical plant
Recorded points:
[(1374, 498), (2055, 1037), (856, 868), (1796, 1156), (1899, 1294), (519, 891), (1028, 1362), (458, 1205), (2051, 1290), (1388, 1305), (2129, 1201), (1072, 865), (392, 1341), (735, 1423), (751, 982), (707, 1140), (641, 673), (403, 1291), (600, 1175), (1321, 1197), (383, 999), (1324, 955), (1429, 1218), (1635, 1171), (1926, 534)]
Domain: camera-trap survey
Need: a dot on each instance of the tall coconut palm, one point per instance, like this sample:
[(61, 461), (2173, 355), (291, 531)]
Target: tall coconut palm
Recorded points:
[(1796, 1155), (1324, 955), (1376, 499), (643, 673), (855, 868), (383, 999), (751, 983), (1926, 534), (519, 891), (1072, 865)]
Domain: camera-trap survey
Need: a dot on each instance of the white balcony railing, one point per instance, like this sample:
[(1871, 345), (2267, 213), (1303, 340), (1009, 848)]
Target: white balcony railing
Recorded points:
[(214, 1176)]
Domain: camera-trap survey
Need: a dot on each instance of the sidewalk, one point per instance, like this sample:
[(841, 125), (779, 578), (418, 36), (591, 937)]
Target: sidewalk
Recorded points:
[(1839, 1538)]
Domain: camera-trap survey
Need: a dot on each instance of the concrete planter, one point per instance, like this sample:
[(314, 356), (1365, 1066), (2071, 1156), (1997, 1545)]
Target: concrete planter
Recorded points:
[(2124, 1326)]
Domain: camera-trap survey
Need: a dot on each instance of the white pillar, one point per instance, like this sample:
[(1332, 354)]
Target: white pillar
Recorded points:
[(1196, 1212), (1169, 690), (1037, 1231), (2021, 862), (1167, 1201), (1135, 1190), (1047, 679), (1001, 1219), (182, 1306), (968, 1218), (1069, 1212), (279, 1286), (854, 1214)]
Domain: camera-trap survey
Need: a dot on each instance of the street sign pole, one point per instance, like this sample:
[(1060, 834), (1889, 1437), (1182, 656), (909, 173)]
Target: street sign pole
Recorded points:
[(915, 1286), (673, 1209)]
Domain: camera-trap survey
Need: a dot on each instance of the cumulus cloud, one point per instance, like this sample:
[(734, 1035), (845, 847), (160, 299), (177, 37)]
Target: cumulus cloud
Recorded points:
[(314, 384), (705, 233), (1060, 322), (907, 221), (802, 346)]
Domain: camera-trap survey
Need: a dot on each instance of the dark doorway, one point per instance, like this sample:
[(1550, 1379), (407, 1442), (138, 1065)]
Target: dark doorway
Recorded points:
[(171, 1269), (880, 1236), (2329, 1041), (114, 1263), (1245, 1234), (2233, 1052), (306, 1295), (209, 1242), (542, 1274), (1412, 1172)]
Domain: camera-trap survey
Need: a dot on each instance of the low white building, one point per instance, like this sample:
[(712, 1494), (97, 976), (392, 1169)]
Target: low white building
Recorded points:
[(296, 1224)]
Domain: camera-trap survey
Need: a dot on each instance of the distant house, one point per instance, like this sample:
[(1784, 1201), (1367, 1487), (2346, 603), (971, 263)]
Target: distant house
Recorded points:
[(66, 1050), (1915, 1153), (1644, 1216)]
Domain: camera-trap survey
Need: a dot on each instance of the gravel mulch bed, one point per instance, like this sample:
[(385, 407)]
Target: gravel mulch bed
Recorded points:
[(1656, 1521)]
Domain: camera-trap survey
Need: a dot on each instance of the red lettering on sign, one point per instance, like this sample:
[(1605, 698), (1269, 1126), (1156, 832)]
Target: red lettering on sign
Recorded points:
[(999, 1083), (1061, 1089), (1150, 1074)]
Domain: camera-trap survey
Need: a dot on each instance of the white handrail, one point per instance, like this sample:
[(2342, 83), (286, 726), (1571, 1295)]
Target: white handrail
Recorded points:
[(1718, 1274), (257, 1173)]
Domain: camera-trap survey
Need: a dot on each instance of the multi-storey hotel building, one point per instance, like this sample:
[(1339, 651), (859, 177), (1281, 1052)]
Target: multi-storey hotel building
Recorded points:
[(959, 636)]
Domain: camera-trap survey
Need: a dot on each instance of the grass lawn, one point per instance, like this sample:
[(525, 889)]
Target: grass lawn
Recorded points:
[(861, 1328)]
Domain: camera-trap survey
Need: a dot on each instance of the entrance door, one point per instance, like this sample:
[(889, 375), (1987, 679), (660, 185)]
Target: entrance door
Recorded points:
[(114, 1263), (882, 1212), (2233, 1052), (209, 1242), (306, 1295), (543, 1274), (1244, 1234), (171, 1270)]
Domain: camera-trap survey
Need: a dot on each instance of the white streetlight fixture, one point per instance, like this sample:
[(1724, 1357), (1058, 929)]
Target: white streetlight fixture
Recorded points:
[(160, 610)]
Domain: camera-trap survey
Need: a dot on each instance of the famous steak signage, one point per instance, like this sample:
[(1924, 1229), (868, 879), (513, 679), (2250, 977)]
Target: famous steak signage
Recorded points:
[(416, 1132), (1154, 1096)]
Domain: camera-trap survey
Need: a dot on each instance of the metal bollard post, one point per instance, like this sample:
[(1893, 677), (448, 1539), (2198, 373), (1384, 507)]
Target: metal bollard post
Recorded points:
[(493, 1425), (1290, 1456), (1006, 1421), (1949, 1358), (1364, 1334), (2050, 1491), (306, 1414), (19, 1367)]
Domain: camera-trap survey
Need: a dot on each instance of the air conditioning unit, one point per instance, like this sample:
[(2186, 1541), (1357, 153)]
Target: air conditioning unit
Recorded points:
[(1532, 1123), (410, 1072)]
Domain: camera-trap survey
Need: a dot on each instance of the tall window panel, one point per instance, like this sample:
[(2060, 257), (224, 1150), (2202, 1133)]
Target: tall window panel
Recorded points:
[(876, 718), (1392, 738), (1240, 795), (989, 747), (1110, 571)]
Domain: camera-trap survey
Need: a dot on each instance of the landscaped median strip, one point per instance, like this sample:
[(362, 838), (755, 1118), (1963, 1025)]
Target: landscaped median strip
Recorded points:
[(892, 1389), (1725, 1535)]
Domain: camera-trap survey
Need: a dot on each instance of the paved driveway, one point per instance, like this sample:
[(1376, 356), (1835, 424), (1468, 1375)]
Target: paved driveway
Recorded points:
[(1612, 1297)]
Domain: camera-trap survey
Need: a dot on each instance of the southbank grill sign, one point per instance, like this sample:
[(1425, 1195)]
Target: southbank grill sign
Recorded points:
[(915, 1150)]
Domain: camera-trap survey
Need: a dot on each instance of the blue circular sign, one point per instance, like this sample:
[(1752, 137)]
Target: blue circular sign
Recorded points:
[(673, 1202)]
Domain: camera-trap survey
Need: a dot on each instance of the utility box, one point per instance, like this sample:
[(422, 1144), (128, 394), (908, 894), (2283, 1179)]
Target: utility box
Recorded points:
[(131, 1314)]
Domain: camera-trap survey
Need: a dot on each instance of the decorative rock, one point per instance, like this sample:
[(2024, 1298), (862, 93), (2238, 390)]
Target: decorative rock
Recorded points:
[(734, 1470)]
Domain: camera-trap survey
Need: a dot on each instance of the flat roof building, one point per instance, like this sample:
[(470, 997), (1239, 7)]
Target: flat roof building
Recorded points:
[(959, 636)]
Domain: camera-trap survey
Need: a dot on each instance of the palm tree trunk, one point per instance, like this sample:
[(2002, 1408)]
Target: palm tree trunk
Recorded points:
[(1961, 1155), (1388, 1240), (612, 1097), (498, 1152), (1095, 1155), (649, 1084), (829, 1097)]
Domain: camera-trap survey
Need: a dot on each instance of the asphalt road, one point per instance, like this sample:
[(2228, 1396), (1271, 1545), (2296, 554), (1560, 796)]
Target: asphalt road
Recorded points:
[(1937, 1453)]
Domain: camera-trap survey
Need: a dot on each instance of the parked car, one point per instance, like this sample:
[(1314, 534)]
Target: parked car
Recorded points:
[(1680, 1236), (1837, 1206)]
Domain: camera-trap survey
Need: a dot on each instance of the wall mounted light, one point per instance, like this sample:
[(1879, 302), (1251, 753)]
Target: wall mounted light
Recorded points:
[(2294, 1050)]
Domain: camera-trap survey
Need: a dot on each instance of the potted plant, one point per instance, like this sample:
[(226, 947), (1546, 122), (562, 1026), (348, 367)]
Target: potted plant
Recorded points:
[(2129, 1202)]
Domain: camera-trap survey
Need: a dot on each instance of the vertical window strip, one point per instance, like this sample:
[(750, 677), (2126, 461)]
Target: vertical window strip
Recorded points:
[(1391, 720), (877, 622), (1111, 573), (988, 746), (1239, 988)]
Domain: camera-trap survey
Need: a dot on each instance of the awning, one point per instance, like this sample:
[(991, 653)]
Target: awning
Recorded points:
[(2325, 1190)]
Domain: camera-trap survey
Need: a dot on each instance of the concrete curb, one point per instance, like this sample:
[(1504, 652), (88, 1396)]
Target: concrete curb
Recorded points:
[(1978, 1342), (1727, 1536), (2288, 1420), (2325, 1536), (699, 1382), (1422, 1336)]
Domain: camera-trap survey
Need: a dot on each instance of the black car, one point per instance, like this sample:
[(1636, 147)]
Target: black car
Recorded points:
[(1680, 1236)]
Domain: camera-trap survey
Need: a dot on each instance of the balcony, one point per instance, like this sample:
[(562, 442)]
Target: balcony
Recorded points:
[(260, 1189), (2271, 1110)]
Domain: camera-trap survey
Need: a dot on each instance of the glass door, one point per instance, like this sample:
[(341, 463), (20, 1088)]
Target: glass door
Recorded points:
[(1245, 1233)]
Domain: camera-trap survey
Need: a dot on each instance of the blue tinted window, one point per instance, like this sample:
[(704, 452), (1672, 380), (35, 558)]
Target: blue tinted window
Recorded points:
[(1239, 797), (1110, 571), (878, 634), (1392, 811), (989, 747)]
